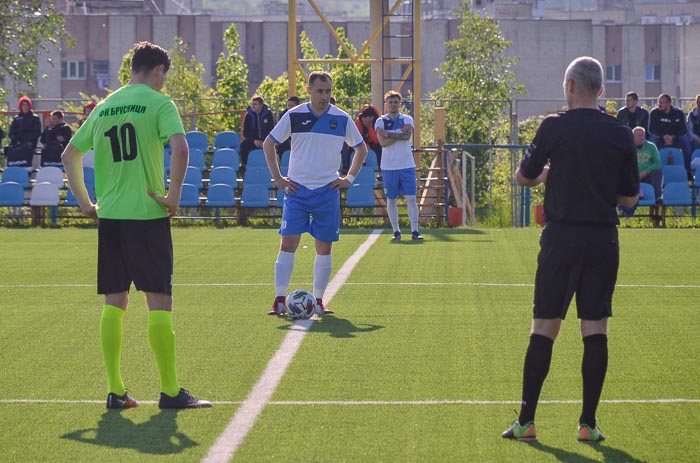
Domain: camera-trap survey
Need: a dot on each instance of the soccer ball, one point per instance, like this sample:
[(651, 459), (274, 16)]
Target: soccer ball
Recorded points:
[(301, 304)]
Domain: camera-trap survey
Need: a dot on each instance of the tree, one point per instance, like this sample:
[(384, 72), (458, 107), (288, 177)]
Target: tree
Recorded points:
[(232, 72), (27, 27), (479, 83)]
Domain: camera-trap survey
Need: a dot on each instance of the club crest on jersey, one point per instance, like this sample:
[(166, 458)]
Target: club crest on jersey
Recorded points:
[(333, 124)]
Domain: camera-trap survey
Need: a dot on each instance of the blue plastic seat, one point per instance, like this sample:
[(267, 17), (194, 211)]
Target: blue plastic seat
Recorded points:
[(371, 160), (72, 202), (280, 198), (671, 156), (17, 175), (197, 159), (677, 194), (197, 140), (193, 176), (256, 158), (284, 160), (89, 177), (257, 175), (220, 195), (11, 194), (226, 157), (227, 140), (225, 175), (649, 195), (674, 174), (255, 195), (360, 195), (189, 196), (366, 177)]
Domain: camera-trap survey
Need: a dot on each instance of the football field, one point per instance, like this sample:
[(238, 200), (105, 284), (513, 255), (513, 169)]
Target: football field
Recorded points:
[(422, 361)]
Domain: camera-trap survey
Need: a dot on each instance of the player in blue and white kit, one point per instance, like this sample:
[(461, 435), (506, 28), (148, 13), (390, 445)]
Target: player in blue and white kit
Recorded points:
[(398, 166), (312, 186)]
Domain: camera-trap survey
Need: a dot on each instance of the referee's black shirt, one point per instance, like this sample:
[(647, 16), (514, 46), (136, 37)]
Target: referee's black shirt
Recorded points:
[(592, 158)]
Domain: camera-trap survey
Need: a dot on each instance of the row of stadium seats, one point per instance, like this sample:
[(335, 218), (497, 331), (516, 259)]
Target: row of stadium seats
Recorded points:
[(48, 174)]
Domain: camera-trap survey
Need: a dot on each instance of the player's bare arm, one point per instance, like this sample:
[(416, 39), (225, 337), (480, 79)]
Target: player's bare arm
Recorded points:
[(72, 160), (283, 183), (357, 161)]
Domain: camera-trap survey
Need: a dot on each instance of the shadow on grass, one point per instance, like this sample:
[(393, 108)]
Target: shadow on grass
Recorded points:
[(337, 327), (158, 435), (608, 454)]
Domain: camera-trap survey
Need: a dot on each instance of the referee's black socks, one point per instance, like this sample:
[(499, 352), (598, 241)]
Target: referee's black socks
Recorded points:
[(537, 361), (593, 369)]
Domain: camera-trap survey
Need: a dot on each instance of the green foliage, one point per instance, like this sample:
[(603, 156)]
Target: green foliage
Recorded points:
[(232, 73), (28, 27), (479, 83), (70, 106)]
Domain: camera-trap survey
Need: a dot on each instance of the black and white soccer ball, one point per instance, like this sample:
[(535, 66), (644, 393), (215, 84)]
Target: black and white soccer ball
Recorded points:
[(301, 304)]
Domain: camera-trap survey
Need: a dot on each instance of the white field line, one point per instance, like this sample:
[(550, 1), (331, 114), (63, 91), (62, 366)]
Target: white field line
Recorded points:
[(369, 402), (403, 283), (247, 414)]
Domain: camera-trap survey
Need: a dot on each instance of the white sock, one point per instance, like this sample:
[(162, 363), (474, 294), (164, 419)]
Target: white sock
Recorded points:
[(322, 273), (284, 265), (412, 212), (392, 210)]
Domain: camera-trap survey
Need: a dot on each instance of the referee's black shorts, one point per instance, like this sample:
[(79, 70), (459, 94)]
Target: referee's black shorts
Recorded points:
[(134, 250), (581, 260)]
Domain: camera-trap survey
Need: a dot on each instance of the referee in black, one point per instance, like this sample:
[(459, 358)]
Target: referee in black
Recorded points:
[(588, 161)]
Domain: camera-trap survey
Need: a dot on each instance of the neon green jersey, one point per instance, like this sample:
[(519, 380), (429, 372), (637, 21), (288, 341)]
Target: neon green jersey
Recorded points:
[(127, 131)]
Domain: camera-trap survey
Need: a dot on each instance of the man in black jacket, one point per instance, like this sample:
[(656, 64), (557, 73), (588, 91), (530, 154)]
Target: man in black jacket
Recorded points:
[(667, 127), (257, 124), (24, 134), (632, 115), (55, 138)]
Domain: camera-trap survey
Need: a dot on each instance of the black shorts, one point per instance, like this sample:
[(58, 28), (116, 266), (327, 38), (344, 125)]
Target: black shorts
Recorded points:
[(134, 250), (576, 259)]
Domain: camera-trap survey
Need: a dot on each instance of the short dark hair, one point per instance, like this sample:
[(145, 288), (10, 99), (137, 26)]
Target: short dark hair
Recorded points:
[(295, 99), (665, 96), (257, 98), (57, 113), (147, 56), (323, 76), (634, 95)]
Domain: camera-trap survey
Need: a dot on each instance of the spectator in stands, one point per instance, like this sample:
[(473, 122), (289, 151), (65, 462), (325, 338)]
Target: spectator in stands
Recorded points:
[(134, 241), (257, 124), (632, 115), (398, 166), (312, 187), (286, 145), (593, 164), (86, 112), (24, 134), (365, 121), (648, 161), (55, 138), (667, 128), (693, 125)]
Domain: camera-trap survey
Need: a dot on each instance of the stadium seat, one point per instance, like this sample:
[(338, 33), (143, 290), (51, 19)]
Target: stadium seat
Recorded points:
[(371, 160), (256, 158), (674, 174), (227, 140), (226, 157), (17, 175), (257, 175), (225, 175), (11, 194), (197, 159), (70, 200), (89, 176), (44, 194), (50, 174), (255, 195), (166, 161), (197, 140), (220, 195), (677, 194), (671, 156), (360, 195), (193, 176), (284, 160), (189, 196), (89, 159), (649, 196), (366, 177), (280, 198)]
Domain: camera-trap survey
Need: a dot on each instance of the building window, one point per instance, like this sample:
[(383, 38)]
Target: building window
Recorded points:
[(653, 73), (100, 72), (613, 73), (73, 70)]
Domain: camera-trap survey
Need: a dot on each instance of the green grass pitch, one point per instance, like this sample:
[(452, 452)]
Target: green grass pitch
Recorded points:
[(422, 361)]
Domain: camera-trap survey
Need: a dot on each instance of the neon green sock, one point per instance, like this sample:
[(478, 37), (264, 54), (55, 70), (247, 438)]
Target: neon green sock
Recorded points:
[(161, 336), (111, 331)]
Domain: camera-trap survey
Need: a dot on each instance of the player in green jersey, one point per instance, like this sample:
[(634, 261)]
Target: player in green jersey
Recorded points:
[(127, 131)]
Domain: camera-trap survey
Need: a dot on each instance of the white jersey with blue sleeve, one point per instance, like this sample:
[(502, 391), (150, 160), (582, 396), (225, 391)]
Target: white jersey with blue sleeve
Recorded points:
[(316, 143), (399, 154)]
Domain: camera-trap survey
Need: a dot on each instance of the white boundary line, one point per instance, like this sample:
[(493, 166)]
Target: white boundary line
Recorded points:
[(368, 402), (404, 283), (247, 414)]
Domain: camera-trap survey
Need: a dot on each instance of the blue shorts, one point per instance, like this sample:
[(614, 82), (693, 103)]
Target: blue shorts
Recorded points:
[(399, 182), (314, 211)]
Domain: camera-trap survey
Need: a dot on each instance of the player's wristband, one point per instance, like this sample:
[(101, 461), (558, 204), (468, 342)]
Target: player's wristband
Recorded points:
[(350, 178)]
